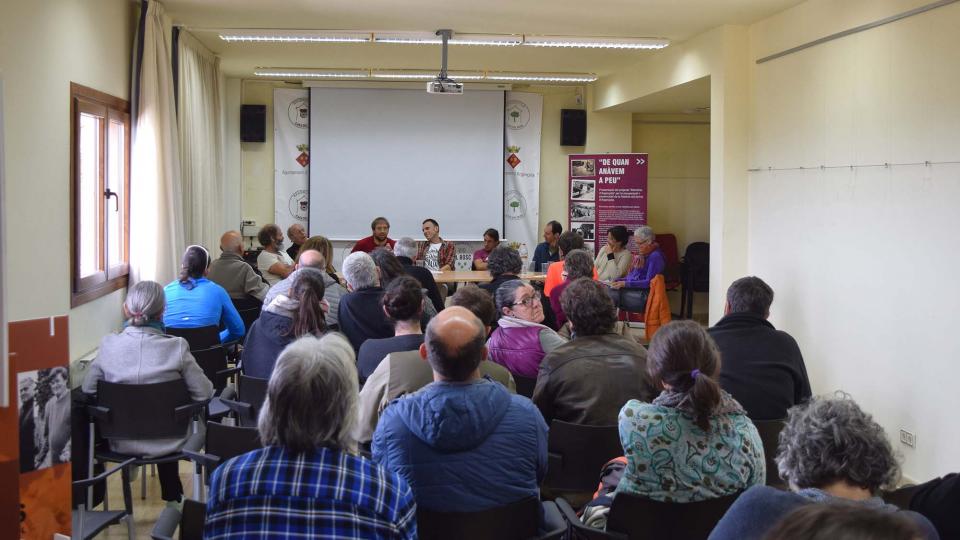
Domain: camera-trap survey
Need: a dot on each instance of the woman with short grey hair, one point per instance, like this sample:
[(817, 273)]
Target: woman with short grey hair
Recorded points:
[(143, 354), (305, 425), (830, 451), (360, 271)]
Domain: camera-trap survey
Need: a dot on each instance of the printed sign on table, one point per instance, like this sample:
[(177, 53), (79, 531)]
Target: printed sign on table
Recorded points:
[(606, 190)]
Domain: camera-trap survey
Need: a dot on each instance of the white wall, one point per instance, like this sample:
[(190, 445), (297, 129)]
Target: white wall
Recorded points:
[(44, 45), (863, 260)]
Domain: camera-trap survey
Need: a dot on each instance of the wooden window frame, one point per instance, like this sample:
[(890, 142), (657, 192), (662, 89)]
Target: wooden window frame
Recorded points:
[(109, 277)]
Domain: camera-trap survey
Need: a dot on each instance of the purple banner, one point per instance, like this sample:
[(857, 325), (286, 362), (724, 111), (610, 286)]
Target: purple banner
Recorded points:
[(606, 190)]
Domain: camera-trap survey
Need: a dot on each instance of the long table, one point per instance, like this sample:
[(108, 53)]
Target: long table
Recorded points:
[(478, 276)]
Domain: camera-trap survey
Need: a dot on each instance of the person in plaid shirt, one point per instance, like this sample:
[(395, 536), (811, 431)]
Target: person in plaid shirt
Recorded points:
[(308, 480), (436, 253)]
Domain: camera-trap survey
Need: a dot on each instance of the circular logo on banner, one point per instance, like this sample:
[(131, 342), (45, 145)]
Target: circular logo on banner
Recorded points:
[(517, 114), (514, 205), (299, 113), (299, 204)]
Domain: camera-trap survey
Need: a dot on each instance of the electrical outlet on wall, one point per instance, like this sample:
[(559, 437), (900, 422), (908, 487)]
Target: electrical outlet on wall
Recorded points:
[(908, 438)]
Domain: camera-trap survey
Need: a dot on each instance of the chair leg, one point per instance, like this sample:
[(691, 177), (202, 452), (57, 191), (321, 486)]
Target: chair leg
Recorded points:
[(131, 532), (198, 482), (127, 501), (143, 482), (106, 496), (91, 433), (153, 470)]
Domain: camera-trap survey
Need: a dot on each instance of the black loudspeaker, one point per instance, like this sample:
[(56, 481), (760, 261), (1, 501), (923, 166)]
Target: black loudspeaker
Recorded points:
[(253, 123), (573, 127)]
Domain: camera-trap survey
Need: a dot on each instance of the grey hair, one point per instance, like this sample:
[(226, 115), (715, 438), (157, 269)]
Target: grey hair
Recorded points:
[(507, 293), (145, 302), (750, 295), (405, 247), (831, 439), (504, 260), (312, 396), (360, 271), (578, 263), (644, 232)]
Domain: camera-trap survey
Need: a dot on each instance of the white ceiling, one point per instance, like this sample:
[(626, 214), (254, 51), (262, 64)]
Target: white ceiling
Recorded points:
[(673, 19)]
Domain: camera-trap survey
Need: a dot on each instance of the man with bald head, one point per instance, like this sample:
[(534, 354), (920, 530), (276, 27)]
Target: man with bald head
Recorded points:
[(463, 443), (233, 273)]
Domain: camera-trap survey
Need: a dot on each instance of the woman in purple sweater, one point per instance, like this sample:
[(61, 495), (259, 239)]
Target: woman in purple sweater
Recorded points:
[(520, 341), (630, 293)]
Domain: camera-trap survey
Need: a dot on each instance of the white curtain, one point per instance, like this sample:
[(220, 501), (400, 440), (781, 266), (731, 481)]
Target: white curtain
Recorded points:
[(200, 92), (156, 216)]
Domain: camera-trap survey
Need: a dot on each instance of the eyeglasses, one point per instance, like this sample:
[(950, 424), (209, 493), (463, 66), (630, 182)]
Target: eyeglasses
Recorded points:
[(530, 301)]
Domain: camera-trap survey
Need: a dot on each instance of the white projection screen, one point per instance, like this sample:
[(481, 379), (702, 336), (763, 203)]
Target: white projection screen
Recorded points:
[(406, 155)]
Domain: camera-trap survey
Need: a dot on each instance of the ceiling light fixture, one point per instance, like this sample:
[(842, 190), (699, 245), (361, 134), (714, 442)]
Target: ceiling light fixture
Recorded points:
[(540, 77), (304, 36), (289, 73), (420, 75), (428, 38), (424, 75), (582, 42)]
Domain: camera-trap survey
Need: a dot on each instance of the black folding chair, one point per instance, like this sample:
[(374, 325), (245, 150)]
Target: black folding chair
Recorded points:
[(212, 357), (515, 521), (249, 310), (694, 275), (525, 385), (190, 521), (204, 337), (251, 393), (222, 443), (576, 454), (769, 431), (88, 523), (143, 412)]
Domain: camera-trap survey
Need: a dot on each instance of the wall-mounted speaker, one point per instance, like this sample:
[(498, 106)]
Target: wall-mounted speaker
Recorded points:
[(573, 127), (253, 123)]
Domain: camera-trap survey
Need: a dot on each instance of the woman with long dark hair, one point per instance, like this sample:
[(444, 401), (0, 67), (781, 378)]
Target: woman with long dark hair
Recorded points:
[(193, 301), (283, 321)]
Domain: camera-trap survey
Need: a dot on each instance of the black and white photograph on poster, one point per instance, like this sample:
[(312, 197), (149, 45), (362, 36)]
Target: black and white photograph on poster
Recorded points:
[(589, 246), (586, 230), (43, 397), (583, 190), (581, 211), (583, 167)]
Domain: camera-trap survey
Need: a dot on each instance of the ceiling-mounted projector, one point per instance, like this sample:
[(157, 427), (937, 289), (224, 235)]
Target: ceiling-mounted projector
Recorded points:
[(443, 84)]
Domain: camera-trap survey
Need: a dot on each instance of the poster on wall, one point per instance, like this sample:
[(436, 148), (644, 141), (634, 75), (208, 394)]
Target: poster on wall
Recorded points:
[(291, 148), (606, 190), (523, 113)]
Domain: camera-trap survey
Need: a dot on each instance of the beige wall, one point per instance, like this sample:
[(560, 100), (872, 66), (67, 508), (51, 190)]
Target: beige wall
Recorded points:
[(44, 45)]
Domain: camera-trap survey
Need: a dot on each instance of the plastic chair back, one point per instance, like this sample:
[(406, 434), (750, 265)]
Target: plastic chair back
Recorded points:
[(192, 520), (671, 273), (212, 361), (696, 261), (576, 454), (198, 338), (515, 521), (525, 385), (642, 518), (143, 411), (249, 310), (226, 442), (253, 390), (769, 431)]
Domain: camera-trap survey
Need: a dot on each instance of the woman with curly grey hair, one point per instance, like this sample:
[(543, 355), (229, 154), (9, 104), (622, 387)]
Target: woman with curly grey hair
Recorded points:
[(830, 451)]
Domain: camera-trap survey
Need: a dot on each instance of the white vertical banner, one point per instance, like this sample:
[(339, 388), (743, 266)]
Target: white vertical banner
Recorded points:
[(523, 113), (291, 156)]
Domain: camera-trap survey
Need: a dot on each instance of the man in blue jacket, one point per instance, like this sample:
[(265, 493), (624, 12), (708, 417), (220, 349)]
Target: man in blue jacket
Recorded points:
[(463, 442)]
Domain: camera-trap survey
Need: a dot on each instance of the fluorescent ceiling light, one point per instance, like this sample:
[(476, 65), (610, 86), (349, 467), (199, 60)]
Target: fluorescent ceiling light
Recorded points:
[(541, 77), (404, 74), (429, 38), (287, 73), (595, 42), (297, 36)]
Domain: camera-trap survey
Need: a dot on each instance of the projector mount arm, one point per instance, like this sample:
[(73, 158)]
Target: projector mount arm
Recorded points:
[(445, 36)]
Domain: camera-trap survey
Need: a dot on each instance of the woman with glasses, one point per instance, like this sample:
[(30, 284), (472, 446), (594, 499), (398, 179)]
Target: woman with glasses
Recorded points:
[(521, 340)]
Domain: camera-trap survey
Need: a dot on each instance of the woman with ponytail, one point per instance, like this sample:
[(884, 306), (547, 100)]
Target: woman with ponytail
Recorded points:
[(299, 313), (143, 354), (193, 301), (694, 442)]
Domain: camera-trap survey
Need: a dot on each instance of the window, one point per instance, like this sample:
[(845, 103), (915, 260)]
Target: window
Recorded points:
[(100, 189)]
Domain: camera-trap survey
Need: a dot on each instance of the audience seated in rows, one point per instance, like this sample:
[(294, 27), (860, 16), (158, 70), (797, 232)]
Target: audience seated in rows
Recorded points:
[(630, 293), (406, 251), (143, 354), (613, 260), (298, 235), (291, 315), (491, 239), (588, 379), (436, 253), (390, 268), (568, 242), (379, 239), (233, 273), (405, 372), (547, 250), (308, 258), (308, 480), (273, 262), (762, 366), (360, 312), (830, 451), (505, 264), (844, 522), (463, 442), (520, 342), (403, 303), (575, 265), (193, 301)]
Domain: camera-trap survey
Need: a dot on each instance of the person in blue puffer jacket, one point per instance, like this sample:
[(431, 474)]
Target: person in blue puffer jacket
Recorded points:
[(463, 442)]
